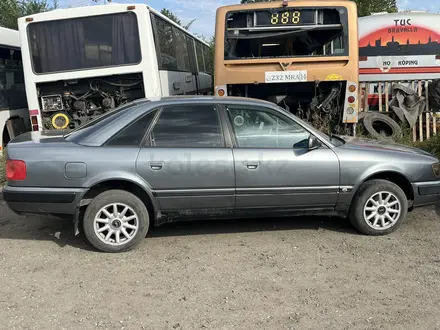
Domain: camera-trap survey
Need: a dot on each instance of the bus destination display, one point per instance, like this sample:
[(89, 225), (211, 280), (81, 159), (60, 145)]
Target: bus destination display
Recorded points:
[(285, 17)]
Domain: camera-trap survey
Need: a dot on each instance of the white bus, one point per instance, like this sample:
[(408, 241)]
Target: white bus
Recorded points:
[(81, 62), (14, 115)]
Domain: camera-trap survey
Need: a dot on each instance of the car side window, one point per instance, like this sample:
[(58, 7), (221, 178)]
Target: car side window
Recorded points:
[(133, 134), (188, 126), (263, 128)]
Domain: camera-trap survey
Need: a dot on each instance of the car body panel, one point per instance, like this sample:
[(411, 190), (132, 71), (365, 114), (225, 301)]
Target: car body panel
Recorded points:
[(58, 201), (189, 178), (286, 178), (323, 179)]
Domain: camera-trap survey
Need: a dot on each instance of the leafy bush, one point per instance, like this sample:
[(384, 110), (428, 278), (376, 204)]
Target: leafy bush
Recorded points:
[(431, 145)]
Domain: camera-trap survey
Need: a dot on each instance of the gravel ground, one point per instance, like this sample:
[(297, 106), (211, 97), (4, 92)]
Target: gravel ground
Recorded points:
[(306, 273)]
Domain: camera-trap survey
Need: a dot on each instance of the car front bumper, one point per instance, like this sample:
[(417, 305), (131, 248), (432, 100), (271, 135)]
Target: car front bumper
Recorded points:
[(60, 201), (426, 193)]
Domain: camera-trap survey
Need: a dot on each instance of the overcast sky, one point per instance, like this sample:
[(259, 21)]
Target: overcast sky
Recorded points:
[(204, 10)]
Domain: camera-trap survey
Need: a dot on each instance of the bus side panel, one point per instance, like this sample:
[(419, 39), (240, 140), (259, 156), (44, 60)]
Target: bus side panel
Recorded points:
[(171, 82), (206, 83)]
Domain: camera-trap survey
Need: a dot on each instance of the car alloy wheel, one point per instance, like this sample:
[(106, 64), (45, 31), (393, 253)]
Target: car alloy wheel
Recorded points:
[(382, 210), (116, 224)]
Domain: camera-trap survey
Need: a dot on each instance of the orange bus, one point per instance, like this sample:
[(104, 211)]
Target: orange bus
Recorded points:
[(302, 55)]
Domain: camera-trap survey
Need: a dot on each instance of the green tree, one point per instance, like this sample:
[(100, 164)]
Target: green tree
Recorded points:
[(176, 19), (366, 7), (11, 10)]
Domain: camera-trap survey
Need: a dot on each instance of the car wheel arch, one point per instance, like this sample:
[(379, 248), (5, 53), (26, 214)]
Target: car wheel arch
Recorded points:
[(144, 193), (393, 176)]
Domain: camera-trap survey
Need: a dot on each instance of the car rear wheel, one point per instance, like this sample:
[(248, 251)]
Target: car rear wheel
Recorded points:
[(115, 221), (378, 208)]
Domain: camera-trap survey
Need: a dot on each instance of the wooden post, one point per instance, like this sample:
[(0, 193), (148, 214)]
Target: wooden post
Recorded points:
[(379, 89), (419, 87), (413, 86), (387, 96), (366, 93), (428, 113)]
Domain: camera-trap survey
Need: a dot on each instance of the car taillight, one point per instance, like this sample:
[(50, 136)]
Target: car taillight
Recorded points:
[(15, 170)]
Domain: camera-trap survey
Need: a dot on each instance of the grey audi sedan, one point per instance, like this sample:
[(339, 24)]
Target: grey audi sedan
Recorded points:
[(177, 158)]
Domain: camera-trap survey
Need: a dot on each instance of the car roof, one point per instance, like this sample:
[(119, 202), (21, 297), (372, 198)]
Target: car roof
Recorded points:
[(175, 99)]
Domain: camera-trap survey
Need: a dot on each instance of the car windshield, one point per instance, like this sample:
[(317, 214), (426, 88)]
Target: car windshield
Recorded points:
[(334, 140), (104, 119)]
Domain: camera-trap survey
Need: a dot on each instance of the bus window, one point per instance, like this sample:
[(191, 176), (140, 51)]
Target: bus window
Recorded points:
[(12, 89), (304, 37), (167, 55), (200, 56), (181, 50), (87, 42), (208, 63)]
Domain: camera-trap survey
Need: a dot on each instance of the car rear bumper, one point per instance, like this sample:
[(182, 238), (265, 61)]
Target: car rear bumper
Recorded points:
[(426, 193), (43, 200)]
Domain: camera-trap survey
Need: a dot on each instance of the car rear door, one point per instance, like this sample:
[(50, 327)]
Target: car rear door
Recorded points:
[(186, 160), (273, 165)]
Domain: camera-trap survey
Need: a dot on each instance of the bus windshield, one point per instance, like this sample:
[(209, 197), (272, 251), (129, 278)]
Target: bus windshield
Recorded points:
[(278, 32), (86, 42)]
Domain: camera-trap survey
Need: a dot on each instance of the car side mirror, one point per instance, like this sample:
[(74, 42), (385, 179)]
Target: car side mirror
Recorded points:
[(313, 143)]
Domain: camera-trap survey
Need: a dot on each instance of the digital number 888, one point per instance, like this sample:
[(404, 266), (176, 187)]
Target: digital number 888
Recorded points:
[(285, 17)]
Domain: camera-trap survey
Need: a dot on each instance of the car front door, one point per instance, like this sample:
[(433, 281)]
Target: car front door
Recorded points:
[(187, 162), (274, 167)]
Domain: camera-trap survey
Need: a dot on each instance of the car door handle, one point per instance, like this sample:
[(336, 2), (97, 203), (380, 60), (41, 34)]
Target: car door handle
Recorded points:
[(156, 166), (252, 165)]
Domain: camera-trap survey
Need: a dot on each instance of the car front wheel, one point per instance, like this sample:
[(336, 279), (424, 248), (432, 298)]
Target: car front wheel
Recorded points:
[(378, 208), (115, 221)]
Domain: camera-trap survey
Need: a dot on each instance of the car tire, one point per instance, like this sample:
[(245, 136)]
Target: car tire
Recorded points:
[(115, 221), (372, 118), (378, 208)]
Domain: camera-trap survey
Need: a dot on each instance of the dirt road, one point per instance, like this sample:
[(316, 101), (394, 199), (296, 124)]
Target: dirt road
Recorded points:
[(309, 273)]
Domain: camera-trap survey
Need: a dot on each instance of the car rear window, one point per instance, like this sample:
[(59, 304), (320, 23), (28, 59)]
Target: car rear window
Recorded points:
[(84, 130)]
